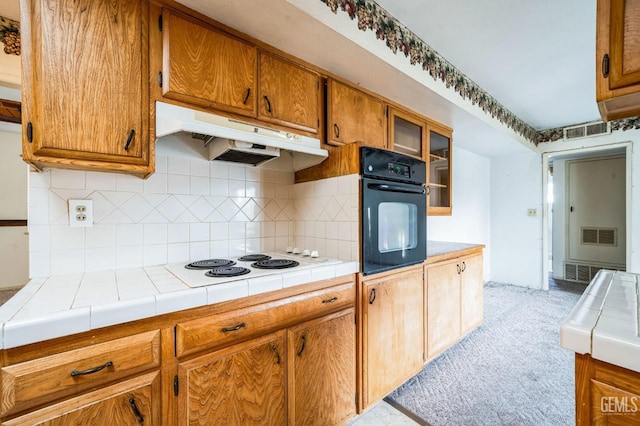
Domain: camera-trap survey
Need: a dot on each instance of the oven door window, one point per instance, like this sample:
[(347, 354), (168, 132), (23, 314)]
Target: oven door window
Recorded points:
[(394, 225), (397, 227)]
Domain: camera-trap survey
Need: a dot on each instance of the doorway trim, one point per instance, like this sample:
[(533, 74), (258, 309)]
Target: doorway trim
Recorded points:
[(584, 152)]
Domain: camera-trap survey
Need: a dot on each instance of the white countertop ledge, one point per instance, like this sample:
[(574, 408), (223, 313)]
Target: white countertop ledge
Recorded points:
[(47, 308), (604, 322)]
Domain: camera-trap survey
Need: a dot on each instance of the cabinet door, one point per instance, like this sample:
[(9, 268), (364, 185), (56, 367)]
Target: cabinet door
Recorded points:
[(618, 58), (443, 307), (322, 370), (471, 293), (354, 117), (239, 385), (86, 84), (131, 402), (393, 348), (204, 66), (289, 94), (407, 134), (439, 172)]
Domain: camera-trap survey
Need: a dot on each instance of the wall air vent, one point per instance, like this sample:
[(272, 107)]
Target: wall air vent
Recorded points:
[(586, 130), (599, 236), (582, 273)]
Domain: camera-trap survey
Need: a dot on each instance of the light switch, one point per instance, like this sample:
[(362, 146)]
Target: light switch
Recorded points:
[(532, 212)]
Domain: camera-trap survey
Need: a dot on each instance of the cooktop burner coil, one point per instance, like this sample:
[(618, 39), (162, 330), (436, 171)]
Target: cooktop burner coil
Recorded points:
[(227, 271), (275, 264), (254, 257), (210, 264)]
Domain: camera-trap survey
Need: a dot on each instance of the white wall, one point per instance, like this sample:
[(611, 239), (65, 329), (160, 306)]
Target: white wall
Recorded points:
[(559, 233), (516, 238), (469, 222)]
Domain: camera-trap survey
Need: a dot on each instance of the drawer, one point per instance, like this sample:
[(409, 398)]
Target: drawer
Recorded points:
[(34, 382), (234, 326)]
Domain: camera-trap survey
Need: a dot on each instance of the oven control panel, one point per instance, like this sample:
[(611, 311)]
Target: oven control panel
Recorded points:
[(384, 164), (399, 170)]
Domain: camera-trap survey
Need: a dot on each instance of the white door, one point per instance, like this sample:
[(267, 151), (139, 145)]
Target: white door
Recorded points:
[(14, 238), (596, 210)]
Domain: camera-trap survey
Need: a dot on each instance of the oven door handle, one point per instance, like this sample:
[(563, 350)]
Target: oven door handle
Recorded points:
[(395, 188)]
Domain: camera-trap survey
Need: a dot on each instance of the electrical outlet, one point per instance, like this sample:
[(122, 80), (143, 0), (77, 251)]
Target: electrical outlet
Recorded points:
[(532, 212), (80, 213)]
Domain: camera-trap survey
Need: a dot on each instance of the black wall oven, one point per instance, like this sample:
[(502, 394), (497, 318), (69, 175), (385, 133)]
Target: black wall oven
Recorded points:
[(394, 202)]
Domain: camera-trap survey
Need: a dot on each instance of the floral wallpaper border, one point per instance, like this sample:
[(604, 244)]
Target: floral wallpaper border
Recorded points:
[(370, 16), (10, 36)]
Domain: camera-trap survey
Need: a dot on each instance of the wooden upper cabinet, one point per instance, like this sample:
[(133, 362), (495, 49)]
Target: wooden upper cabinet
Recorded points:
[(207, 67), (407, 134), (289, 94), (439, 174), (85, 93), (618, 58), (353, 116)]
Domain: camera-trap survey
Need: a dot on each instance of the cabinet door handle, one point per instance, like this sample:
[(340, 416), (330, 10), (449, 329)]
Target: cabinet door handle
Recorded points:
[(132, 133), (464, 266), (336, 130), (458, 268), (274, 348), (605, 65), (75, 373), (304, 342), (30, 132), (333, 299), (136, 412), (268, 103), (372, 296), (236, 328), (246, 96)]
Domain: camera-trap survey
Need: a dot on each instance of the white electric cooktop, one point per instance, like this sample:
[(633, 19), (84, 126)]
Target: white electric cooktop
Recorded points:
[(198, 277)]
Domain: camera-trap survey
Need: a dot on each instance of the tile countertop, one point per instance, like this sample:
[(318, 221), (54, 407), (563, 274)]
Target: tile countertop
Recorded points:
[(436, 248), (46, 308), (604, 322)]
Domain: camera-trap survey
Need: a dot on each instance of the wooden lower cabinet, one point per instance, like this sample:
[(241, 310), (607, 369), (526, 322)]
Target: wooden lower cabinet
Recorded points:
[(453, 300), (322, 370), (240, 385), (393, 319), (443, 307), (131, 402), (606, 394)]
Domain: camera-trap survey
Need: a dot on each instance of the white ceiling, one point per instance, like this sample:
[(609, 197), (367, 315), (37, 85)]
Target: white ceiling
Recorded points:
[(537, 58)]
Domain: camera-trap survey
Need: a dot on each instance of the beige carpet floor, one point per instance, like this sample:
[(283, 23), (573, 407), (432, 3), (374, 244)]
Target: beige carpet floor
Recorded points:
[(509, 371)]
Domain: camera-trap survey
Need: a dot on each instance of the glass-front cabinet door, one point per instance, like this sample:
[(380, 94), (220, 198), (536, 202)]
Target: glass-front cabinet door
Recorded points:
[(407, 133), (439, 171)]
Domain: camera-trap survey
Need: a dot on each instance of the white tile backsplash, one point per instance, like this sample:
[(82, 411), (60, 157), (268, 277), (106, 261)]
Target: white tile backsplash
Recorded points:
[(189, 209)]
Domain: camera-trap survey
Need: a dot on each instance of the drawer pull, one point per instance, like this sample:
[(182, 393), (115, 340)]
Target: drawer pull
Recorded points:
[(236, 328), (304, 341), (464, 266), (136, 412), (75, 373), (275, 349), (333, 299), (459, 268)]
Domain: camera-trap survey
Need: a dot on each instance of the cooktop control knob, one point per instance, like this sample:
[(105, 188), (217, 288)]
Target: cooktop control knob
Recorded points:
[(306, 252), (315, 253), (289, 249), (296, 250)]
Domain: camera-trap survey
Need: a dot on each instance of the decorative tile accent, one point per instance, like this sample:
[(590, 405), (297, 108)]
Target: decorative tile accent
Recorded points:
[(325, 219), (139, 224), (398, 38)]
